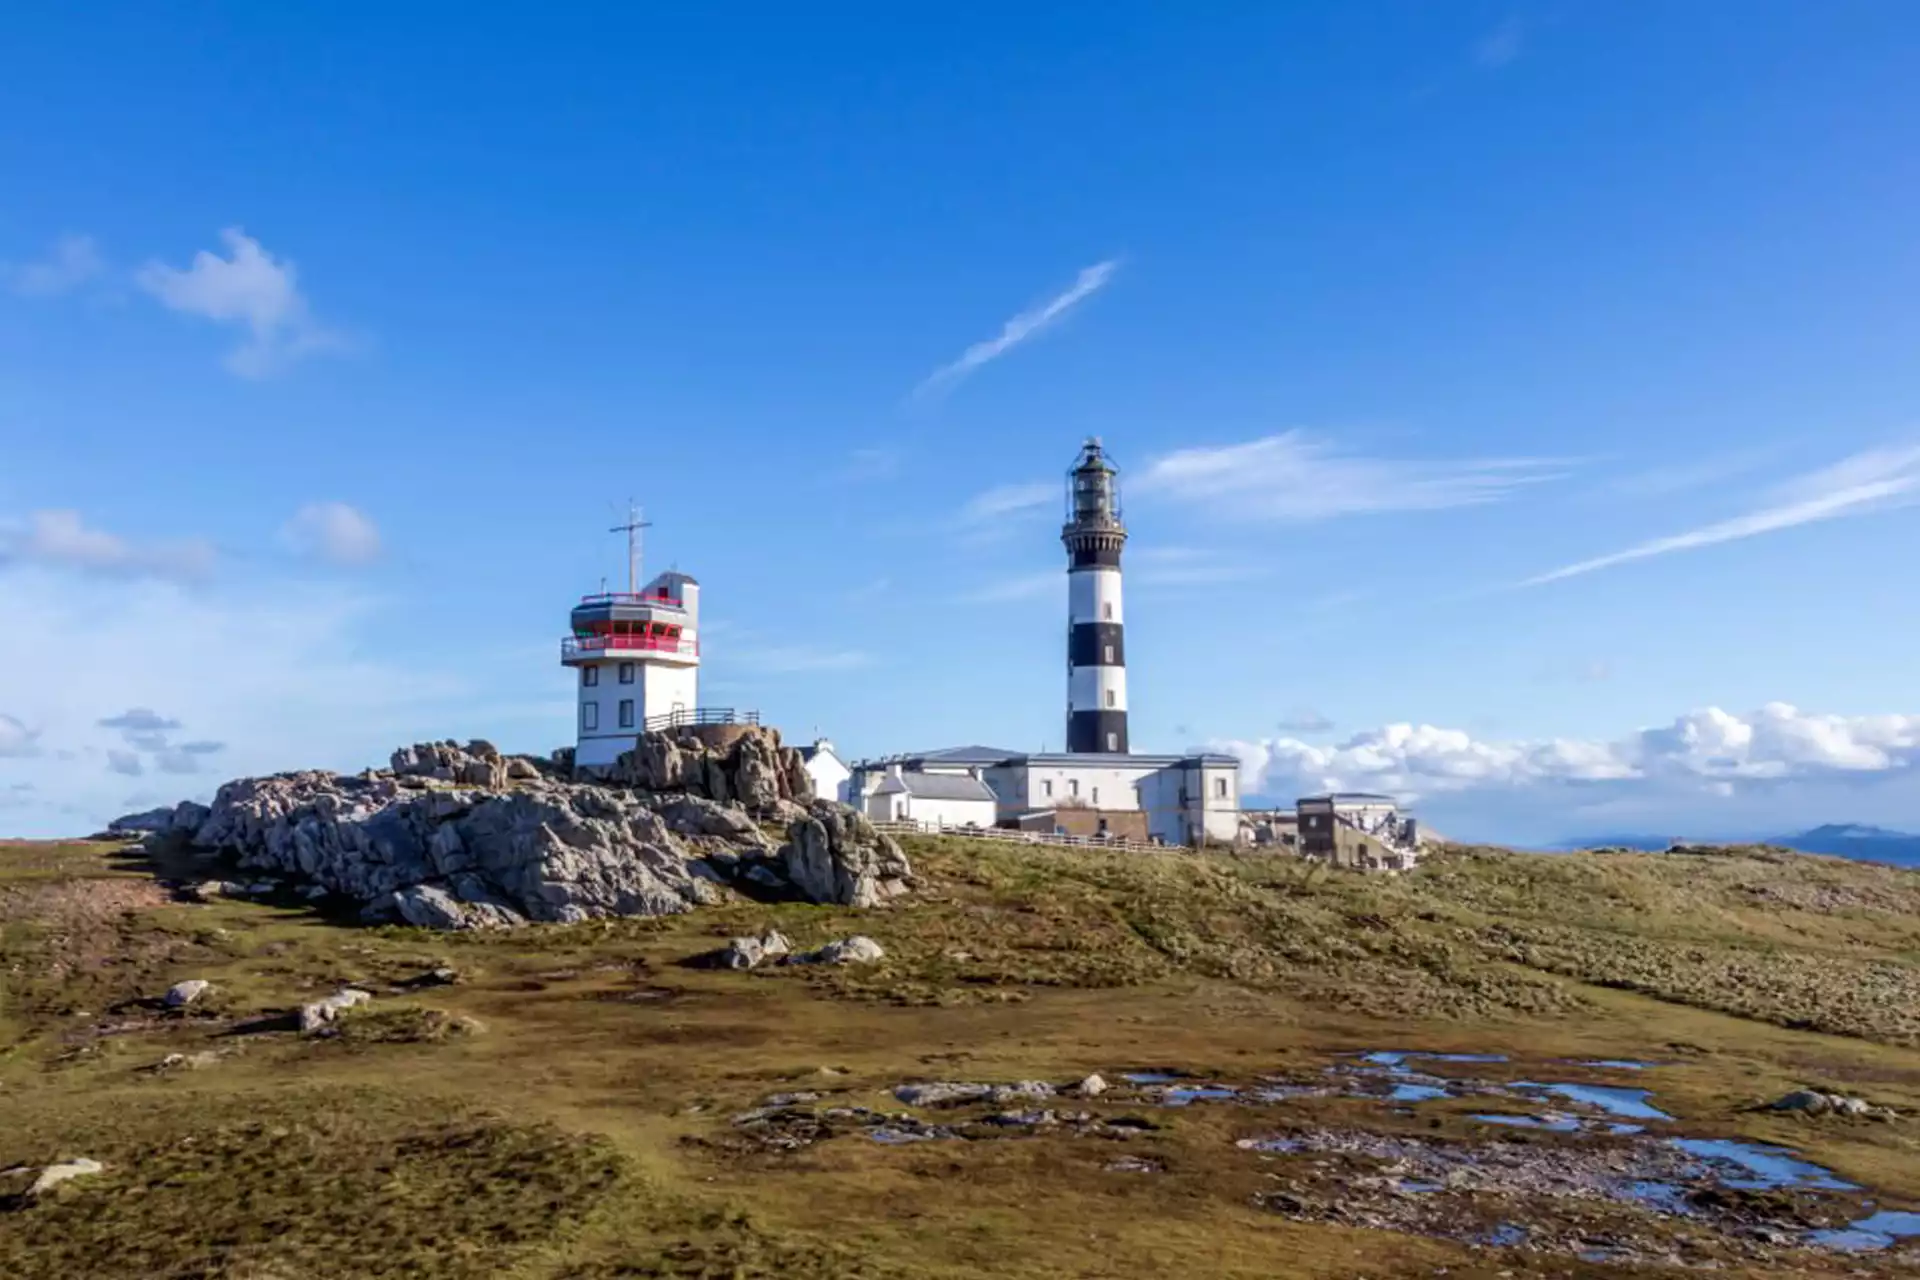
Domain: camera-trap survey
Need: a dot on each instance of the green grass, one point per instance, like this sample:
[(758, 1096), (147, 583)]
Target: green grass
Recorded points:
[(562, 1111)]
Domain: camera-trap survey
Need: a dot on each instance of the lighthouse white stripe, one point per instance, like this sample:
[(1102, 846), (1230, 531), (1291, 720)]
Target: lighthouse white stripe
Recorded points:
[(1092, 594), (1087, 688)]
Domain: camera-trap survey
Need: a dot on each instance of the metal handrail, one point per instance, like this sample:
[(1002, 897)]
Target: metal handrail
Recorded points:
[(572, 646), (701, 715)]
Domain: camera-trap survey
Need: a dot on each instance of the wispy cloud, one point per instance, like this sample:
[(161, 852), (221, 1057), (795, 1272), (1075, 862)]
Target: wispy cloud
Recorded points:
[(795, 659), (1026, 586), (147, 733), (334, 533), (871, 464), (1008, 500), (1501, 45), (1867, 482), (1022, 327), (1296, 476), (1170, 567), (250, 288), (71, 262), (63, 540), (1681, 477), (1304, 720), (16, 740)]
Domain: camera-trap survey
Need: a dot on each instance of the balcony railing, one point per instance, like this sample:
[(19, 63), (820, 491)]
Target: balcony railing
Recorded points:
[(659, 599), (579, 646), (702, 715)]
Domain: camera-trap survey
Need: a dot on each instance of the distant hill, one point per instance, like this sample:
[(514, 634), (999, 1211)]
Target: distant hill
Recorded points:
[(1841, 839), (1855, 840)]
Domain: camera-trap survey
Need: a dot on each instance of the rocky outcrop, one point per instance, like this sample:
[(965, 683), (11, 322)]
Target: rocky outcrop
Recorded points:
[(182, 994), (835, 855), (184, 817), (455, 837), (66, 1171), (1813, 1103), (322, 1013), (743, 765)]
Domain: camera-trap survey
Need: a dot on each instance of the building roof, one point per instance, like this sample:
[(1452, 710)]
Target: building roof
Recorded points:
[(978, 755), (1352, 797), (811, 750), (936, 786)]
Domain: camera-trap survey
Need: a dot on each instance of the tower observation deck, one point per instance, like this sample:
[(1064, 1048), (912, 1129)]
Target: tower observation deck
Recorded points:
[(1094, 536)]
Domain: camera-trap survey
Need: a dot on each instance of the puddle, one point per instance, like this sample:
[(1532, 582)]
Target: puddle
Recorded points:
[(1617, 1064), (1766, 1168), (1416, 1093), (1552, 1122), (1150, 1077), (1662, 1196), (1399, 1058), (900, 1137), (1504, 1235), (1882, 1230), (1181, 1097), (1629, 1104)]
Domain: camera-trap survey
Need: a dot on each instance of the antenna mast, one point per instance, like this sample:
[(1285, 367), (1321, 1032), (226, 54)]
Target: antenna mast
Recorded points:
[(632, 529)]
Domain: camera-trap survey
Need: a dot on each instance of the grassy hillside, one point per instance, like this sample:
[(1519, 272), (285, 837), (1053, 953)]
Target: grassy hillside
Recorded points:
[(569, 1108)]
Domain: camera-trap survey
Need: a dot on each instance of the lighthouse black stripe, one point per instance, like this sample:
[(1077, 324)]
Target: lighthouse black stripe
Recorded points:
[(1087, 731), (1088, 642), (1095, 557)]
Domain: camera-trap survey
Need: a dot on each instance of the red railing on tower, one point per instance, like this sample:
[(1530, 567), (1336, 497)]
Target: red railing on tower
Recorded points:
[(575, 646)]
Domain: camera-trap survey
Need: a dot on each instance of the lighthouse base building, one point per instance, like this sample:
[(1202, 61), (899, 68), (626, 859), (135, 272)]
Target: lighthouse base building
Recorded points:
[(1165, 799)]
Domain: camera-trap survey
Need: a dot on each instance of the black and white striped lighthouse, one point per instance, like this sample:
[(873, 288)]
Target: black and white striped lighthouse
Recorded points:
[(1096, 649)]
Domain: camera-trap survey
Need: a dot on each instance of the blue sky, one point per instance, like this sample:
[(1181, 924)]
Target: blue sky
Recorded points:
[(1404, 321)]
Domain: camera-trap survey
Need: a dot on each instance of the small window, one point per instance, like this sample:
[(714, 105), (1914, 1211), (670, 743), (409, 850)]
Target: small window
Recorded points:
[(1220, 788), (589, 715), (1111, 696), (1073, 787), (589, 676), (626, 673), (1096, 795), (1113, 742), (1106, 612), (626, 713), (1109, 658), (1046, 789)]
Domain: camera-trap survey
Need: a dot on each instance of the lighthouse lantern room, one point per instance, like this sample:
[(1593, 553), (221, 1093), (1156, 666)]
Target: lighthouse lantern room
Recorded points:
[(637, 658)]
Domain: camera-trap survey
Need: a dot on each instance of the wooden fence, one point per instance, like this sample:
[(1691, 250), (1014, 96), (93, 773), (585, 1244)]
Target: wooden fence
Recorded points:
[(1006, 836)]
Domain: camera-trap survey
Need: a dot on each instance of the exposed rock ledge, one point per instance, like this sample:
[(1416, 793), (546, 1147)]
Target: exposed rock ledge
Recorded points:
[(452, 837)]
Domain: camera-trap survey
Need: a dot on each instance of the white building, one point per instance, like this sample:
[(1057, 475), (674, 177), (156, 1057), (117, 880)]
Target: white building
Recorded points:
[(1185, 799), (828, 771), (932, 798), (637, 654)]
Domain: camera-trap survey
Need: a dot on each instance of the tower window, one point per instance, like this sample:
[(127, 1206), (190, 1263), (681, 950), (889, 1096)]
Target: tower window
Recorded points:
[(1109, 655), (589, 715), (626, 713), (1106, 612), (1109, 697), (589, 676), (1220, 788), (626, 673), (1113, 742)]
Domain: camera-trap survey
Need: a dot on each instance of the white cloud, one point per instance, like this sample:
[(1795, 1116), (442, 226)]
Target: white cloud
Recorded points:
[(333, 532), (1864, 483), (72, 261), (1022, 327), (1295, 476), (1502, 45), (1008, 500), (250, 288), (16, 740), (124, 762), (1026, 586), (279, 673), (63, 540), (1709, 751)]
